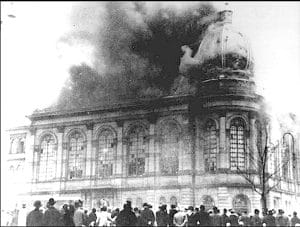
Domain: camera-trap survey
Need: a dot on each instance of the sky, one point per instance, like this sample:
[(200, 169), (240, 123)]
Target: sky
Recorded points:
[(34, 64)]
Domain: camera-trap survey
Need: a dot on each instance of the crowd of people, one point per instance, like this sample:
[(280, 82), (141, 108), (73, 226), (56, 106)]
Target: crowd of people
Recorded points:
[(76, 215)]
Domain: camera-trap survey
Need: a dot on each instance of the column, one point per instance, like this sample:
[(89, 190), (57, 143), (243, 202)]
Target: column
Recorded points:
[(59, 168), (223, 151), (89, 150), (119, 156), (30, 154), (252, 146), (151, 152)]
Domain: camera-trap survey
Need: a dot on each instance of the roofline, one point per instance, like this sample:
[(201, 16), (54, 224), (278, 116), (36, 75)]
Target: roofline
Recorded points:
[(138, 104), (24, 127)]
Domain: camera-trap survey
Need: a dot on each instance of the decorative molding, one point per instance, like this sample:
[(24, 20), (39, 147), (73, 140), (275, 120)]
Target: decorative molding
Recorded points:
[(32, 131), (90, 126), (120, 123), (152, 118), (61, 129)]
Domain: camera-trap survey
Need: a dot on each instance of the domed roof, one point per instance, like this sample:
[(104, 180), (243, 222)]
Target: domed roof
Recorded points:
[(222, 48)]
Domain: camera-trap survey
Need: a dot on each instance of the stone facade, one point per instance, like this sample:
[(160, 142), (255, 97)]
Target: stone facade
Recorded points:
[(191, 183), (183, 150)]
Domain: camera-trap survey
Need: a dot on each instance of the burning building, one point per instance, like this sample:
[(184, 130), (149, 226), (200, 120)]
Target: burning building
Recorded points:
[(182, 149)]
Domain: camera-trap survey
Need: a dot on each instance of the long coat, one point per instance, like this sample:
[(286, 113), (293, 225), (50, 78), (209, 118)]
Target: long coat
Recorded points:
[(35, 218), (52, 217), (148, 217), (162, 218)]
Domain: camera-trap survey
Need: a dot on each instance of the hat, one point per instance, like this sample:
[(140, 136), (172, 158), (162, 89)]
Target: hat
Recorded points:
[(270, 212), (280, 211), (191, 208), (37, 203), (51, 201), (145, 205)]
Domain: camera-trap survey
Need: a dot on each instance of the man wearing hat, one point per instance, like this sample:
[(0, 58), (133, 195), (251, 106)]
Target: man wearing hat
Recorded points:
[(172, 212), (52, 216), (215, 218), (147, 215), (78, 217), (269, 219), (35, 217), (191, 217), (162, 217), (281, 219)]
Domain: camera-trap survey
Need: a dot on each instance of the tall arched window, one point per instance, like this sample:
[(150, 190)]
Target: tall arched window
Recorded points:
[(237, 144), (287, 156), (210, 146), (139, 202), (162, 200), (106, 153), (173, 201), (47, 162), (169, 149), (137, 146), (208, 202), (76, 155), (14, 146), (241, 203)]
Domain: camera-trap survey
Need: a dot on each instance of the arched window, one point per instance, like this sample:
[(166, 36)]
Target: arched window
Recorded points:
[(237, 144), (21, 147), (47, 161), (169, 149), (210, 146), (173, 201), (241, 203), (76, 155), (106, 153), (137, 146), (13, 146), (162, 200), (139, 202), (287, 156), (208, 202)]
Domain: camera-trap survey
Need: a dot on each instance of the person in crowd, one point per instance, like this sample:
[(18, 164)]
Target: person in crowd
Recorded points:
[(180, 218), (137, 213), (172, 212), (233, 218), (85, 217), (202, 217), (92, 218), (162, 217), (78, 217), (281, 219), (104, 218), (126, 216), (35, 217), (52, 216), (225, 218), (256, 220), (67, 219), (147, 215), (216, 219), (245, 219), (295, 220), (114, 215), (191, 217), (269, 219)]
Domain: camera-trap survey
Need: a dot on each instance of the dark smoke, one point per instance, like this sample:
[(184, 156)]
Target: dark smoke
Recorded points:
[(137, 50)]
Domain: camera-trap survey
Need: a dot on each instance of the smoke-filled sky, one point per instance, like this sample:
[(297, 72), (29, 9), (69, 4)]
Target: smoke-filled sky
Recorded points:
[(41, 41)]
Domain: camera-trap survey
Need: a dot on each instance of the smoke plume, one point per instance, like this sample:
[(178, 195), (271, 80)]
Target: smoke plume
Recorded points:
[(136, 50)]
